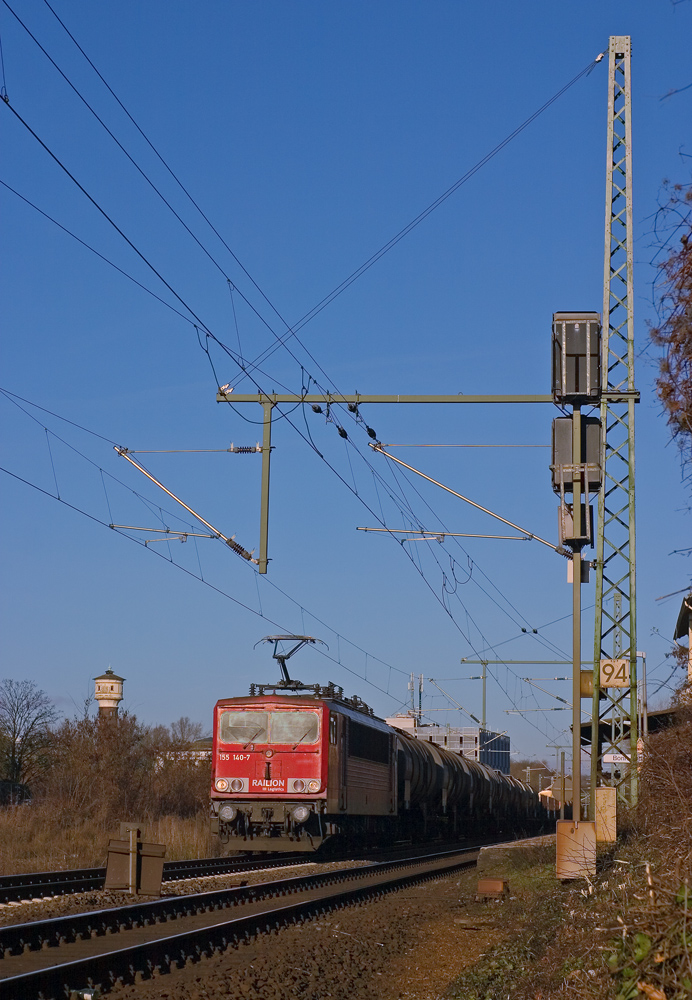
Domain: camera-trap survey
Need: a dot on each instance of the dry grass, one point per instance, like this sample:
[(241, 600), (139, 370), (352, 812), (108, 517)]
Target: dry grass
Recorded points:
[(39, 838), (184, 838), (651, 952)]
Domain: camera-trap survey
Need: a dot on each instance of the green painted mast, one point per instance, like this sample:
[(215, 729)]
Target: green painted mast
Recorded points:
[(614, 709)]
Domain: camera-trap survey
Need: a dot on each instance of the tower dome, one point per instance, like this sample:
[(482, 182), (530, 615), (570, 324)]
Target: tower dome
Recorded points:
[(108, 693)]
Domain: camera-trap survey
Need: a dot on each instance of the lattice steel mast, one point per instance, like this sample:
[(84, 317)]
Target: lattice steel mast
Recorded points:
[(614, 719)]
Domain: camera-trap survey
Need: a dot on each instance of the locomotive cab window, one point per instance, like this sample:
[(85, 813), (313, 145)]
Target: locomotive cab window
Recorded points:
[(243, 727), (264, 727), (294, 727)]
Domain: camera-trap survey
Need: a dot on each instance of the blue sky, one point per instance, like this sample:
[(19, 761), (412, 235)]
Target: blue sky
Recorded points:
[(310, 134)]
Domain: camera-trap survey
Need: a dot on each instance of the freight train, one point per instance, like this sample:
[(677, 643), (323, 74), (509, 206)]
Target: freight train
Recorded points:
[(297, 771)]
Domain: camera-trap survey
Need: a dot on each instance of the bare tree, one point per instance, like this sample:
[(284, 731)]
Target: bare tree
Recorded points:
[(673, 332), (184, 732), (26, 715)]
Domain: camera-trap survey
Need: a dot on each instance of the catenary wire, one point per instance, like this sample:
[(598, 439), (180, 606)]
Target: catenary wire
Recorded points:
[(165, 164), (103, 212), (119, 482), (57, 416), (139, 284), (224, 347), (449, 612), (199, 324), (238, 361), (466, 554), (3, 89), (137, 167), (153, 294)]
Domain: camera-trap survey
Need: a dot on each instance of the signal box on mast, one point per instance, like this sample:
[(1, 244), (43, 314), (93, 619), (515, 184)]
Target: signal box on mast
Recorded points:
[(576, 357)]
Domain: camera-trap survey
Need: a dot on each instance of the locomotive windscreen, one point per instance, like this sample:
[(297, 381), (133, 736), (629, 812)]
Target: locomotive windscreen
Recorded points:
[(368, 743), (269, 727)]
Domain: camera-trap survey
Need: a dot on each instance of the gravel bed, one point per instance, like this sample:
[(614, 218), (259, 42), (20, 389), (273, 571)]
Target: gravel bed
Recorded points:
[(408, 945), (28, 910)]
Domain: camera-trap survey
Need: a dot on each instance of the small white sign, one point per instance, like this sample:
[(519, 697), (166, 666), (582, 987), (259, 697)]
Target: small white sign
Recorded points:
[(620, 758)]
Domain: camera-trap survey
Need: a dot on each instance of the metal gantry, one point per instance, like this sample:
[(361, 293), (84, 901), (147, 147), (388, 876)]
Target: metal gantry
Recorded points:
[(614, 709)]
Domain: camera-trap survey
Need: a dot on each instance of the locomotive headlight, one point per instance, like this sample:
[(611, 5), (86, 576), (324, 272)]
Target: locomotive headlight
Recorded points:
[(221, 784), (300, 813), (227, 813), (313, 786), (236, 785), (298, 785)]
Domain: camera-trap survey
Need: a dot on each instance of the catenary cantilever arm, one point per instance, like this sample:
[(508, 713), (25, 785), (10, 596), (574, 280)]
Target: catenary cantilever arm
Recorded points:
[(232, 544), (530, 534)]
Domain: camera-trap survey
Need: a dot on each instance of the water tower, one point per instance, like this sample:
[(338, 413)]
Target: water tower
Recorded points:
[(108, 693)]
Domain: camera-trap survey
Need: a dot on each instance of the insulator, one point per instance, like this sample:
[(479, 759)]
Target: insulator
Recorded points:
[(238, 549), (242, 449), (371, 433), (353, 407), (316, 408), (342, 432)]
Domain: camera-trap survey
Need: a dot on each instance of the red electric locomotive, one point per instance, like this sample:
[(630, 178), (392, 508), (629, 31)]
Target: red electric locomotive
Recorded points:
[(279, 771)]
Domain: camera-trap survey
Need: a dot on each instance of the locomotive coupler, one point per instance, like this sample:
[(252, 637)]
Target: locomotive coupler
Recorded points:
[(266, 829)]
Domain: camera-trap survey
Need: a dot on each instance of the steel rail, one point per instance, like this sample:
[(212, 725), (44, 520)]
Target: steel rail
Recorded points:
[(321, 892), (15, 888)]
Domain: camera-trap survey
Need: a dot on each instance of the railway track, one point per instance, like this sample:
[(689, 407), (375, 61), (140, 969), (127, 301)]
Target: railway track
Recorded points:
[(50, 958), (14, 888)]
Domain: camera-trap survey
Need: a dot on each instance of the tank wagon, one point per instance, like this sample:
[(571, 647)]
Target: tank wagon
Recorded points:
[(292, 772)]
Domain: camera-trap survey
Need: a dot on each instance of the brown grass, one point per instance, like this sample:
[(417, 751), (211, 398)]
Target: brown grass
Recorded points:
[(37, 838)]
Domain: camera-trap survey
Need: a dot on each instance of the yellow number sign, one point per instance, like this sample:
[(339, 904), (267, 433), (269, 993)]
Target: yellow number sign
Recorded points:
[(615, 673)]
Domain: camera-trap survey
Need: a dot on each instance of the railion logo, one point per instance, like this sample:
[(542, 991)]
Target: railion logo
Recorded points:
[(277, 784)]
